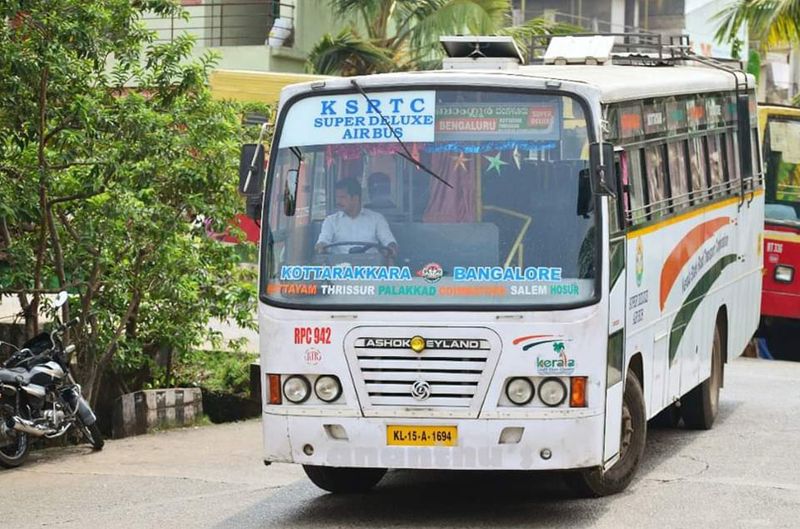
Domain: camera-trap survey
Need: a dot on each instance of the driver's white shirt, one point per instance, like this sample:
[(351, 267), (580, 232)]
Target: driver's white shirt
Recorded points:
[(367, 226)]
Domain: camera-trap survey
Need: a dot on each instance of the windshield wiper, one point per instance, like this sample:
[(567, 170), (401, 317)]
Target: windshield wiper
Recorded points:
[(406, 154)]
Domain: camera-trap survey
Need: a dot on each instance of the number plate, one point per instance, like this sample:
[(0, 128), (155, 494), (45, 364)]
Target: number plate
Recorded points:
[(421, 435)]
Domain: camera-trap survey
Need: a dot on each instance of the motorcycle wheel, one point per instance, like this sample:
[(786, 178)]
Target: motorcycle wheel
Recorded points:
[(14, 455), (92, 435)]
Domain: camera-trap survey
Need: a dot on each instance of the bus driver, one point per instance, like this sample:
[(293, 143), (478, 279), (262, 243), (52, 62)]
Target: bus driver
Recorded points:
[(353, 223)]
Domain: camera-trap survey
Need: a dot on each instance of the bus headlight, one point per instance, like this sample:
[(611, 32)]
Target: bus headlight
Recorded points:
[(552, 391), (296, 389), (519, 390), (784, 274), (327, 388)]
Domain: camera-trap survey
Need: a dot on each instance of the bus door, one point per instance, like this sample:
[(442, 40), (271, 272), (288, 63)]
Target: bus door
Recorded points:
[(616, 312)]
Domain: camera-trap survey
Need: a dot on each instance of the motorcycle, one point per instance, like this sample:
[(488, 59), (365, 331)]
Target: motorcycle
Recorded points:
[(39, 397)]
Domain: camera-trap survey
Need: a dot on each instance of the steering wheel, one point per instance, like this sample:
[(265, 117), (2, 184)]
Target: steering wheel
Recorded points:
[(361, 246)]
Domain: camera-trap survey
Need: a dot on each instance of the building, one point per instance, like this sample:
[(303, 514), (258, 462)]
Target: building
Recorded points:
[(262, 44), (779, 79), (668, 17), (256, 35)]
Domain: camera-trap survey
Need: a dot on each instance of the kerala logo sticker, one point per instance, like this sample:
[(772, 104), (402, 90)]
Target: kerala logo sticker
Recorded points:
[(553, 363), (431, 272), (563, 365), (639, 262)]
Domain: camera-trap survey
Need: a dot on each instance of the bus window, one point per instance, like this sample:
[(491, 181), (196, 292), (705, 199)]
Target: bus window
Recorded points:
[(783, 171), (492, 199), (678, 181), (656, 181), (715, 173), (319, 196), (732, 151), (727, 169), (697, 169), (638, 209)]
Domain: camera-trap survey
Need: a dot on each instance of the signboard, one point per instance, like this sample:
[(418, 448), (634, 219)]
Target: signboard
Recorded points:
[(351, 118), (676, 115), (630, 121), (487, 121), (654, 119)]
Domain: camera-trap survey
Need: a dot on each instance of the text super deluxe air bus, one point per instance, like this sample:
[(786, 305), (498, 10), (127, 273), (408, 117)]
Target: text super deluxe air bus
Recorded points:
[(498, 266)]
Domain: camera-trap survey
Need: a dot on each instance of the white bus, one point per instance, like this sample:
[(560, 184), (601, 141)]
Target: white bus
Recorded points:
[(501, 266)]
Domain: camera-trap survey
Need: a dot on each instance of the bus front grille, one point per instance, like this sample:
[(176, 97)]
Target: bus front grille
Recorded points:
[(451, 372)]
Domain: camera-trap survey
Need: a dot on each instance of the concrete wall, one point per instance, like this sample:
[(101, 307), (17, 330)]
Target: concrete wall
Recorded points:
[(237, 30)]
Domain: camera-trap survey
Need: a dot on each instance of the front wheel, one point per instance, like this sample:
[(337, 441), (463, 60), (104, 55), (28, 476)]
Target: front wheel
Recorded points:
[(92, 435), (16, 452), (344, 480), (596, 482)]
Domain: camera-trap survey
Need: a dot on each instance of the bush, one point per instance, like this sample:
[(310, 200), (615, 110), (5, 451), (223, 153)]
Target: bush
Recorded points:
[(217, 371)]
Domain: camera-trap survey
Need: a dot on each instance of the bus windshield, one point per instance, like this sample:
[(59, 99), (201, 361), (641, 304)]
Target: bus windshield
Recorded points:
[(783, 170), (482, 201)]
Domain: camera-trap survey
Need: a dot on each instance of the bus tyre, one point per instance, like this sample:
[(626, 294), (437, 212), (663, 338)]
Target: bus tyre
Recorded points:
[(669, 417), (344, 480), (700, 406), (596, 482)]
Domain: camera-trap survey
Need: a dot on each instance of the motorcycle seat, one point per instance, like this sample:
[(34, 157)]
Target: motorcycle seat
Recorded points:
[(11, 375)]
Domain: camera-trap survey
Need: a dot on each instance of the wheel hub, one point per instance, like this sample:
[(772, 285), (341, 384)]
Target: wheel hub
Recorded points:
[(627, 431)]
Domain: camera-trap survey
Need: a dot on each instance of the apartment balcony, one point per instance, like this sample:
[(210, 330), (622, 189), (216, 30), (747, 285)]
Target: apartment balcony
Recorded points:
[(248, 34)]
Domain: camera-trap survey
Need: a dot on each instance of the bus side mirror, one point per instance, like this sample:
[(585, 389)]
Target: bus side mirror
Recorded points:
[(251, 169), (602, 177)]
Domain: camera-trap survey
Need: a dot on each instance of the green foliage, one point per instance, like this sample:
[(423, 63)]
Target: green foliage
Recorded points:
[(754, 64), (773, 21), (215, 370), (110, 148), (404, 34)]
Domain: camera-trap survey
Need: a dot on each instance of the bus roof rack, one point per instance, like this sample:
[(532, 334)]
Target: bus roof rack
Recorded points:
[(630, 49)]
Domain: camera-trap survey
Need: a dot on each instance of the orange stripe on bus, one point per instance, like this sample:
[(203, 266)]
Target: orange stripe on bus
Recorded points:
[(684, 250)]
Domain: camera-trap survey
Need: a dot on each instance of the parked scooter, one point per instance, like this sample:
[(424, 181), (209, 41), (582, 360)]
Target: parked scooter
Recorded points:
[(39, 397)]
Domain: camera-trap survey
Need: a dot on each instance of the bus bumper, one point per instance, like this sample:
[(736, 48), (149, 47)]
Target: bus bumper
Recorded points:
[(780, 304), (545, 444)]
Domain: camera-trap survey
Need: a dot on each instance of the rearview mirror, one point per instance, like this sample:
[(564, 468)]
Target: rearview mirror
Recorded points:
[(251, 169), (601, 158), (60, 299)]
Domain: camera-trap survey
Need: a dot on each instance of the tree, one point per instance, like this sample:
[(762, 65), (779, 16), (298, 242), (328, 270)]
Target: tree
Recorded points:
[(100, 182), (774, 21), (400, 35)]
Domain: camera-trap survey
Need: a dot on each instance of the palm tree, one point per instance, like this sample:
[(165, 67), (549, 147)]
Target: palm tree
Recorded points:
[(398, 35), (775, 22)]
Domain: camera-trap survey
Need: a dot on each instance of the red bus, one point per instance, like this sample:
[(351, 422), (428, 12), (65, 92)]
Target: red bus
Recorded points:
[(780, 127)]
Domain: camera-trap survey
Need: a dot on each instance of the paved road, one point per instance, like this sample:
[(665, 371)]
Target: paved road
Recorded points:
[(743, 473)]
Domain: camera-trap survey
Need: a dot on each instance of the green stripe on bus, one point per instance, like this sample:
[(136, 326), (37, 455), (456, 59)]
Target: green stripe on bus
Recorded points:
[(693, 300)]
